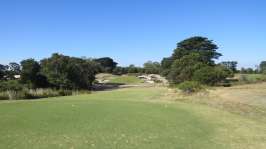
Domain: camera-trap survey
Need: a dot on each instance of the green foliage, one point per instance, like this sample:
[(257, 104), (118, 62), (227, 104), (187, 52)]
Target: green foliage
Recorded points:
[(190, 87), (8, 72), (13, 69), (152, 67), (62, 92), (3, 70), (231, 65), (247, 71), (3, 96), (36, 93), (201, 45), (190, 60), (107, 64), (263, 67), (183, 69), (210, 75), (10, 85), (31, 75), (66, 72), (166, 65), (134, 69), (120, 71)]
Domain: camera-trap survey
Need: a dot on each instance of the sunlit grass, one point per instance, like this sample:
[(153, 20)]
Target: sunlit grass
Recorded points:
[(125, 119)]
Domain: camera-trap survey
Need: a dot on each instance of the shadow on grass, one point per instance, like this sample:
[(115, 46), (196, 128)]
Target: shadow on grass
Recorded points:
[(106, 86)]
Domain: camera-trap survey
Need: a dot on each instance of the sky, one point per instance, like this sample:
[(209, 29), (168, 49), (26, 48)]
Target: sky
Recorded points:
[(130, 31)]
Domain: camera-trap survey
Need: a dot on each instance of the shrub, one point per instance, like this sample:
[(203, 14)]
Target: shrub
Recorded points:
[(10, 85), (4, 96), (14, 95), (37, 93), (211, 75), (190, 87), (65, 92), (183, 69)]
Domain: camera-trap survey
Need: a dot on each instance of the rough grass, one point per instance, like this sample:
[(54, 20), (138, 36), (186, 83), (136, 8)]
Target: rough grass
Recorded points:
[(131, 118), (247, 100)]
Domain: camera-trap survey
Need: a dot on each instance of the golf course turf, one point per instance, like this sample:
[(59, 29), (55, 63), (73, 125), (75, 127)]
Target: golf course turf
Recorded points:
[(124, 119)]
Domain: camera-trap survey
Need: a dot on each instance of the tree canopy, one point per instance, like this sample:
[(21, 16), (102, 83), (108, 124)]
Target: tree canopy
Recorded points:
[(68, 72), (152, 67), (231, 65), (201, 45), (263, 67), (30, 74), (3, 70), (190, 61), (107, 64)]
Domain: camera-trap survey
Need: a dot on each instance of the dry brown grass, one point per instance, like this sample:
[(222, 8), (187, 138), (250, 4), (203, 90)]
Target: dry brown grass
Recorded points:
[(247, 100)]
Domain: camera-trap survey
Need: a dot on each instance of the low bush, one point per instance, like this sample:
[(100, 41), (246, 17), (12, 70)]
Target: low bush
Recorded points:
[(190, 87), (211, 75), (11, 95), (65, 92), (10, 85), (37, 93), (4, 96)]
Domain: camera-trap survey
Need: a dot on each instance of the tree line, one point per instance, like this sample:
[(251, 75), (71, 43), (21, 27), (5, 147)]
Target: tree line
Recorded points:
[(194, 59), (63, 72)]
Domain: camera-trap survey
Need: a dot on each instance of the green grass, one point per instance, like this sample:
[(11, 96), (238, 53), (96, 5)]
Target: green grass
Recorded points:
[(125, 80), (124, 119)]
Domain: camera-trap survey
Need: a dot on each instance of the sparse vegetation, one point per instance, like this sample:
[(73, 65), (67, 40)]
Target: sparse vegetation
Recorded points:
[(249, 78), (37, 93), (189, 87)]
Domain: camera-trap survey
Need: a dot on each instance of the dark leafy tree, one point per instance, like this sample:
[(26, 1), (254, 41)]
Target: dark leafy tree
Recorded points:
[(231, 65), (247, 71), (183, 69), (190, 56), (262, 67), (13, 69), (30, 74), (120, 70), (166, 65), (69, 72), (3, 70), (201, 45), (132, 69), (107, 63), (13, 85), (211, 75)]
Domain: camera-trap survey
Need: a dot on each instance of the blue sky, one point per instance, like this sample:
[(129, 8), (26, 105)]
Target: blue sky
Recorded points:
[(130, 31)]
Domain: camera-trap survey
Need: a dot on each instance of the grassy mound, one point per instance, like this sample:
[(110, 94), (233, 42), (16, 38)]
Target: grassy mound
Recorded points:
[(125, 119)]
